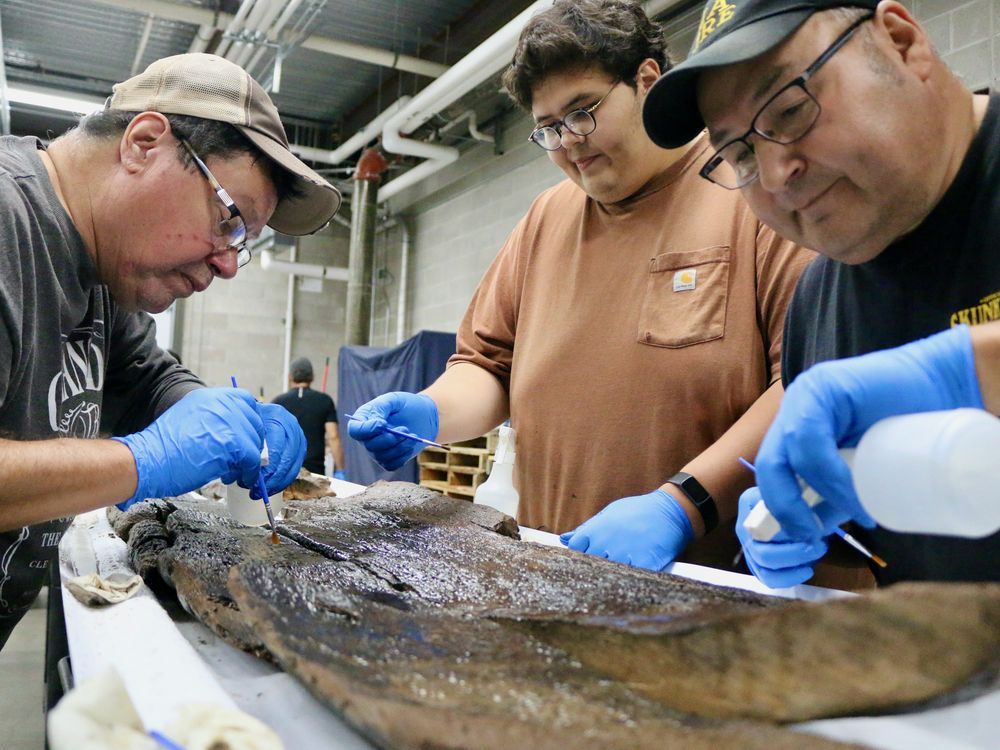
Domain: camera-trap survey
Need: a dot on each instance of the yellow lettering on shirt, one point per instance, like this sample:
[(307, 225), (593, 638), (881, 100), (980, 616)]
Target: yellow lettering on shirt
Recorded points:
[(987, 309)]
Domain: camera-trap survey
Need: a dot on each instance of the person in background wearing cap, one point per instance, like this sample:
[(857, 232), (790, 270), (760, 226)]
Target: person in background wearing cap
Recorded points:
[(143, 203), (631, 325), (846, 132), (317, 416)]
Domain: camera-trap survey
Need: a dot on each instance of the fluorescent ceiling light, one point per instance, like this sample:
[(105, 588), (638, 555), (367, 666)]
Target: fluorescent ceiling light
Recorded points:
[(45, 100)]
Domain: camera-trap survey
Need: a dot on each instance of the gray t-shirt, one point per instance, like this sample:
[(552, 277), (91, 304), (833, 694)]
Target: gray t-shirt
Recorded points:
[(72, 363)]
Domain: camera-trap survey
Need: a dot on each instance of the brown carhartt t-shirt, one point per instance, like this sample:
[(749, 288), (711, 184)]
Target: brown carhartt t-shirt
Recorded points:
[(629, 336)]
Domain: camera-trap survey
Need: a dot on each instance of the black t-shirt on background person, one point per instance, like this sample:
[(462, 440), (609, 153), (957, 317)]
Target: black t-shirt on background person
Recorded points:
[(313, 410), (944, 273)]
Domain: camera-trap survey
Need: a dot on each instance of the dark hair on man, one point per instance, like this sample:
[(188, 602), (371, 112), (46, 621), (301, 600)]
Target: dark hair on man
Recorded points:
[(612, 35), (208, 138)]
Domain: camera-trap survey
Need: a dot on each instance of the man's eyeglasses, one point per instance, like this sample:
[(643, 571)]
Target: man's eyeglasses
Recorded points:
[(786, 117), (579, 122), (233, 229)]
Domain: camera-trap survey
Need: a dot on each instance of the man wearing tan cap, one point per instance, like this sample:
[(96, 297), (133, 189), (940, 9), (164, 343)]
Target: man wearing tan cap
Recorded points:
[(145, 202)]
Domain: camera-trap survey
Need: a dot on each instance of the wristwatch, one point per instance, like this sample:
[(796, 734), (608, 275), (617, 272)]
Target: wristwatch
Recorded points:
[(699, 496)]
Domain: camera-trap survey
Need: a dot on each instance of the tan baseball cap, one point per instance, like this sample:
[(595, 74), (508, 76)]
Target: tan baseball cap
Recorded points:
[(213, 88)]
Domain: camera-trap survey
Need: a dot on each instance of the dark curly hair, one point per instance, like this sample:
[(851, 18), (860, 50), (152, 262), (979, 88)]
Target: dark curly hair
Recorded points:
[(612, 35)]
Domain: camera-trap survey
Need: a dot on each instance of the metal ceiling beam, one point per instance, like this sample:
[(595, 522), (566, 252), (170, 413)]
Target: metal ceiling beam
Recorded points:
[(361, 52)]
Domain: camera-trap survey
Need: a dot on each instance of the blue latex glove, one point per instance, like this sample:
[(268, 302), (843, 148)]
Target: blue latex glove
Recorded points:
[(646, 531), (832, 404), (414, 413), (208, 434), (780, 562), (339, 474), (286, 449)]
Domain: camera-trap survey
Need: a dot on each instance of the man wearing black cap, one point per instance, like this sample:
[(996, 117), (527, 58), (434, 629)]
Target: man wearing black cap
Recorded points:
[(145, 202), (317, 416), (846, 132)]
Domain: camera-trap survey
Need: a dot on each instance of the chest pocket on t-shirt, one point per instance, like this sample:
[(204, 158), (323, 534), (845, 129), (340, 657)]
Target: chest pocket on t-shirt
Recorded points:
[(685, 300)]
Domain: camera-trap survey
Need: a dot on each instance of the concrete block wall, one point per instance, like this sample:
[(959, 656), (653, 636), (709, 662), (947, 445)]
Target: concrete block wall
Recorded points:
[(966, 35), (237, 327), (455, 242)]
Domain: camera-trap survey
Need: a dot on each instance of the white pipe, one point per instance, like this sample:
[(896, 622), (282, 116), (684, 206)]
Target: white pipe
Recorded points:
[(374, 56), (235, 24), (355, 142), (655, 7), (418, 173), (202, 37), (143, 41), (262, 16), (478, 66), (269, 263), (275, 31), (247, 30), (485, 61), (474, 131), (289, 317), (481, 64), (402, 295), (201, 16)]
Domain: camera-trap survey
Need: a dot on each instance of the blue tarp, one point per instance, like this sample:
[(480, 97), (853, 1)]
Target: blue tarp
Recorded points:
[(364, 372)]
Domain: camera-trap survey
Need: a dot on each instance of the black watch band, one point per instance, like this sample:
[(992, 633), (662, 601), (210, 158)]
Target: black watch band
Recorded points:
[(699, 496)]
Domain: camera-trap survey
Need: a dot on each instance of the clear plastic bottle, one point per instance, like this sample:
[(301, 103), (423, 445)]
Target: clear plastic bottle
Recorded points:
[(933, 472), (498, 490)]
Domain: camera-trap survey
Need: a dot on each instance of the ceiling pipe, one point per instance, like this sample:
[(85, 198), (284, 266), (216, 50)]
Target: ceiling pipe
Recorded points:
[(202, 37), (143, 41), (204, 17), (474, 131), (485, 61), (332, 273), (357, 141), (481, 64), (235, 24), (478, 66), (275, 32), (254, 30), (374, 56)]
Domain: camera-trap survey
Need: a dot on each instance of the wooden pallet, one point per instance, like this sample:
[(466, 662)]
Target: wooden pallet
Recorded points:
[(460, 470)]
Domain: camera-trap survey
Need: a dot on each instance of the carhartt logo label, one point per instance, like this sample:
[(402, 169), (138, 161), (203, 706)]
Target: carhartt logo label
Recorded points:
[(714, 17), (684, 281)]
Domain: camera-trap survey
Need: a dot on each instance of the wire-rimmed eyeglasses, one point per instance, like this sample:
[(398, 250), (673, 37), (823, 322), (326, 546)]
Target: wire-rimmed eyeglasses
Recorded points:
[(785, 118), (578, 122), (233, 229)]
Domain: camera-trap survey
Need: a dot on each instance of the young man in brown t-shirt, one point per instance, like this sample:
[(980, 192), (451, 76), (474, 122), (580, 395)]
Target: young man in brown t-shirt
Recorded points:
[(630, 327)]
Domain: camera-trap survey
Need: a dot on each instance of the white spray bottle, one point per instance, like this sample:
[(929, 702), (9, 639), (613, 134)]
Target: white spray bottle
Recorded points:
[(498, 490), (928, 473)]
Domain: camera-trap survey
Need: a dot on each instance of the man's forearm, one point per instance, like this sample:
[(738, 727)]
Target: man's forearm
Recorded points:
[(716, 467), (470, 402), (986, 347), (46, 479)]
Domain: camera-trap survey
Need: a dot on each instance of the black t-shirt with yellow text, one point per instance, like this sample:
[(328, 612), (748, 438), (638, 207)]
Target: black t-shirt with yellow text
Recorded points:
[(944, 273)]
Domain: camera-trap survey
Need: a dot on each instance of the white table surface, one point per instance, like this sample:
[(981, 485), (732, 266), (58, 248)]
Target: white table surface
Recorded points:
[(167, 663)]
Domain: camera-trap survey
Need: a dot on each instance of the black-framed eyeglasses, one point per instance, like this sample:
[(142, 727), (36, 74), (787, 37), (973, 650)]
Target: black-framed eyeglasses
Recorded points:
[(578, 122), (785, 118), (233, 229)]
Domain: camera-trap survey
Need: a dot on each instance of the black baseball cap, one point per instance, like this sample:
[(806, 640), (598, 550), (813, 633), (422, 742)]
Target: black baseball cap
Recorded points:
[(730, 31)]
